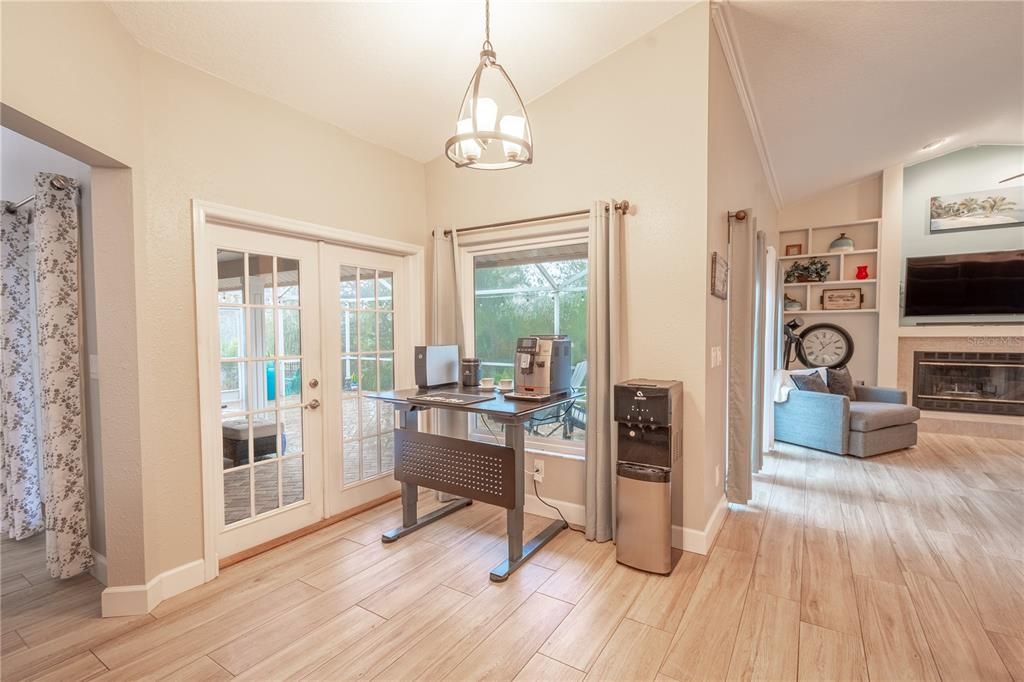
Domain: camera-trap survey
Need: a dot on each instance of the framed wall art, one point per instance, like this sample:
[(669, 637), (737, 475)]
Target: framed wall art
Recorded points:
[(981, 210)]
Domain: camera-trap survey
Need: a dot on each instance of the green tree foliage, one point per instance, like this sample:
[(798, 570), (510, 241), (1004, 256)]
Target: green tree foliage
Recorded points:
[(518, 300)]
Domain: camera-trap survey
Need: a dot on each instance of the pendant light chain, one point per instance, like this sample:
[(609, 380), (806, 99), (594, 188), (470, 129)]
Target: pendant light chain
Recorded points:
[(487, 24)]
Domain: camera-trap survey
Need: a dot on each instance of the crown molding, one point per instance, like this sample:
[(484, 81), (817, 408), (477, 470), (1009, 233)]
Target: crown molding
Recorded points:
[(734, 58)]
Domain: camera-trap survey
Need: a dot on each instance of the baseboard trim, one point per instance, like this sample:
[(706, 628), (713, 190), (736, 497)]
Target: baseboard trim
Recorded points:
[(574, 513), (99, 567), (701, 541), (134, 600), (687, 539)]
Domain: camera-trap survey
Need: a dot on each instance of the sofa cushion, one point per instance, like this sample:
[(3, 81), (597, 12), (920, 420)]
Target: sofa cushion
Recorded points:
[(809, 382), (840, 382), (865, 416)]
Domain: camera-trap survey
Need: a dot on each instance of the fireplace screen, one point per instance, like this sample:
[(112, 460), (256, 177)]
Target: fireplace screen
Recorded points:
[(989, 383)]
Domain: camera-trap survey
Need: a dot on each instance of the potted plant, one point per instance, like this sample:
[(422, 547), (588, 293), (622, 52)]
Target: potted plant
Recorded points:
[(811, 270)]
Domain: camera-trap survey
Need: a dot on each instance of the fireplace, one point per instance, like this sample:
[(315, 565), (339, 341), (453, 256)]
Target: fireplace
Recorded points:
[(975, 383)]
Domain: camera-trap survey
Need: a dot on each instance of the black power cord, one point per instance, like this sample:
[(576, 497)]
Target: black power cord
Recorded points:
[(558, 511)]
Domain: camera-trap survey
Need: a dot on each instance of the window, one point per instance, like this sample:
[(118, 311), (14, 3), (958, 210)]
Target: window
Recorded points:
[(529, 291)]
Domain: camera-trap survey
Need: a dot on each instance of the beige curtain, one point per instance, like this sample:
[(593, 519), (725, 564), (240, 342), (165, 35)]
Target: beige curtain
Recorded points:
[(605, 324), (747, 293)]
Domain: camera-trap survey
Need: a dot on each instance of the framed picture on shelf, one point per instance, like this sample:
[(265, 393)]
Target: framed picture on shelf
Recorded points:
[(794, 249), (842, 299), (719, 276)]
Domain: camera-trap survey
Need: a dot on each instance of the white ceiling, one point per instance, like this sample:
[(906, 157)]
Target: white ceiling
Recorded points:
[(393, 73), (845, 89)]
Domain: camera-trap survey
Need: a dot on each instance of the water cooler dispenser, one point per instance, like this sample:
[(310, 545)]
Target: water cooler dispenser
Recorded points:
[(650, 439)]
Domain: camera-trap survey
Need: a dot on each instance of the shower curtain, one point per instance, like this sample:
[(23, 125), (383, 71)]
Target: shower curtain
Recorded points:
[(42, 472)]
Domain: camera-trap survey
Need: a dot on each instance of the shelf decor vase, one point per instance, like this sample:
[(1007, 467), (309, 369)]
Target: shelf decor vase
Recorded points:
[(841, 243), (862, 272)]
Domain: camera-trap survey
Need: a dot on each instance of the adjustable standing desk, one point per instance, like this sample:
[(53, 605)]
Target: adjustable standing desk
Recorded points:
[(494, 474)]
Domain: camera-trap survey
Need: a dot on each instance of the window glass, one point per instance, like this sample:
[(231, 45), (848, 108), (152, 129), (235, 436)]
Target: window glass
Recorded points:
[(366, 355), (528, 292)]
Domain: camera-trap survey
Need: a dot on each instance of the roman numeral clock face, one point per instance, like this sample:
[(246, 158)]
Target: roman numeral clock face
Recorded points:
[(825, 347)]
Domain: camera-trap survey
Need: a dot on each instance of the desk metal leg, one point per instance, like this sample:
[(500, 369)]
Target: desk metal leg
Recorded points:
[(517, 553), (410, 494)]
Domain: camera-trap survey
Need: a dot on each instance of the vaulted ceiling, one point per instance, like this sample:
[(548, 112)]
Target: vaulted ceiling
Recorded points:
[(844, 89), (393, 73), (840, 89)]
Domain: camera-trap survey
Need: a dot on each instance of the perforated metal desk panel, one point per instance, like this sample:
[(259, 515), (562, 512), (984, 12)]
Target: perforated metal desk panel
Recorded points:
[(489, 473)]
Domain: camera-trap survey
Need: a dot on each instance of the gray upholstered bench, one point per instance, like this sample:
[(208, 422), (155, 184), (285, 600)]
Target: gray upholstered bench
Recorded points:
[(878, 421)]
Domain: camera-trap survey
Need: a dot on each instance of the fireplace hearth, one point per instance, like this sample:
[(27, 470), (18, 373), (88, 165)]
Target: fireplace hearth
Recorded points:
[(974, 383)]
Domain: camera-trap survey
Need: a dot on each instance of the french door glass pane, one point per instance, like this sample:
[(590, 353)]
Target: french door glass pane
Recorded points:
[(287, 281), (292, 484), (230, 274), (367, 364), (232, 332), (267, 493), (259, 317), (262, 334), (261, 279)]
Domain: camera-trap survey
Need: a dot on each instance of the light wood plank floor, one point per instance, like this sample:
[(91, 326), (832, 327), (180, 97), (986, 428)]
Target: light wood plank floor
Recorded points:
[(908, 566)]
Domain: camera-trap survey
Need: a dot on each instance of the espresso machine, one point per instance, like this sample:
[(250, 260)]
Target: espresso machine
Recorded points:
[(543, 367), (649, 413)]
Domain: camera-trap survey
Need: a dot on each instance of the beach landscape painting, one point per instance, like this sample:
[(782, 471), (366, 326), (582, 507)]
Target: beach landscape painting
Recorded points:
[(1003, 207)]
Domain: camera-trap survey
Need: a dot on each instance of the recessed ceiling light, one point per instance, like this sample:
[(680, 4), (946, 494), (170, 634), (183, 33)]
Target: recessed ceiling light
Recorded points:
[(933, 144)]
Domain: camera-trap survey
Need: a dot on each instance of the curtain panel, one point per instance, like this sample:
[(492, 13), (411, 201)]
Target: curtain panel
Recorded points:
[(46, 398), (605, 324)]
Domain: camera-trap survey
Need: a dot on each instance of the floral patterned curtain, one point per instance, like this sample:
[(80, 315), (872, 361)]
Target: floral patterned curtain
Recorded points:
[(41, 451)]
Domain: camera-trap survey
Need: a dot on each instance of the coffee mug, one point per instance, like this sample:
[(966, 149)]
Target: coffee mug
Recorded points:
[(487, 382), (506, 384)]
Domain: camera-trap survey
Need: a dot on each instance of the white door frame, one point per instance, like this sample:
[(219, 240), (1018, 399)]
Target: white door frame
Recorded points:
[(205, 212)]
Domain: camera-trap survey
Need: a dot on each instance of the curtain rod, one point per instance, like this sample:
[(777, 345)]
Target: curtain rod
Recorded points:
[(12, 207), (621, 206)]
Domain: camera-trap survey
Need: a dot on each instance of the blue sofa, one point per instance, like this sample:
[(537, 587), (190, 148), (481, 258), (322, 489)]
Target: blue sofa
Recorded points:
[(878, 421)]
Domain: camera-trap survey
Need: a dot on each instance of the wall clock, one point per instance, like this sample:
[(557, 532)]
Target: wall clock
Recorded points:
[(824, 345)]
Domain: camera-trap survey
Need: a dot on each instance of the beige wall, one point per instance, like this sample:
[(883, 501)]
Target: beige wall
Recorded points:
[(633, 126), (205, 139), (736, 181), (858, 200), (185, 135)]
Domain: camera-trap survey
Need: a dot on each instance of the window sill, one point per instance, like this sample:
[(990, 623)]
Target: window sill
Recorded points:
[(540, 452)]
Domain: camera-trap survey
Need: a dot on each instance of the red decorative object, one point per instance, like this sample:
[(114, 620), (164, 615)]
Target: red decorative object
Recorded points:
[(862, 272)]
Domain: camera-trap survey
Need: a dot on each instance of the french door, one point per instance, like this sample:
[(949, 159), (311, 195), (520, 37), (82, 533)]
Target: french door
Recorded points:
[(303, 330), (363, 340)]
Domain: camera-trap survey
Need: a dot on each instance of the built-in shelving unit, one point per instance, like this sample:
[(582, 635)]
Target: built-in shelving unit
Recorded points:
[(814, 243)]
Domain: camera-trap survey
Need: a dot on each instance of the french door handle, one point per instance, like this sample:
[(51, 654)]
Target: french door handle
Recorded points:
[(312, 404)]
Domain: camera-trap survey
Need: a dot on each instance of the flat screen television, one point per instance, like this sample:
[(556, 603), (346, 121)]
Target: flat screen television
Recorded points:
[(965, 284)]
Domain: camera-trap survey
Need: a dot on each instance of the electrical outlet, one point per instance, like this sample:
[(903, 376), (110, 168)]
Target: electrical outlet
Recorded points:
[(538, 470), (718, 475)]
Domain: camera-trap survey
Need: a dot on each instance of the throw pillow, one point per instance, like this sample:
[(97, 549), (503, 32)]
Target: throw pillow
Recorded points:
[(810, 382), (840, 382)]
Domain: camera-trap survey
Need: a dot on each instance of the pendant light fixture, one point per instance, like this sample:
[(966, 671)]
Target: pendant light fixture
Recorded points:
[(493, 130)]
